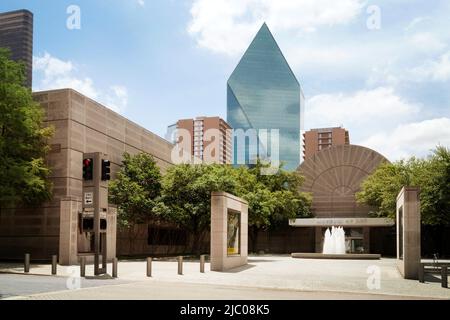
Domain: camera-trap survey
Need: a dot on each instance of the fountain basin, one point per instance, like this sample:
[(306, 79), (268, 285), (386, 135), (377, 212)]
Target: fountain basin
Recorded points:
[(346, 256)]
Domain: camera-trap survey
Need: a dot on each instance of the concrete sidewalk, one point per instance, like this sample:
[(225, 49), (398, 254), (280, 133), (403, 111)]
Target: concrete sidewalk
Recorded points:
[(272, 273)]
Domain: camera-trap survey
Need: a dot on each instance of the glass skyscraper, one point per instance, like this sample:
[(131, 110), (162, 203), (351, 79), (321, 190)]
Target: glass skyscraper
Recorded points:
[(263, 93)]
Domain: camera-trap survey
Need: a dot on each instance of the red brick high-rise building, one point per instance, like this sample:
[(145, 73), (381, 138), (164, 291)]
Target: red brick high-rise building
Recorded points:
[(201, 130), (319, 139)]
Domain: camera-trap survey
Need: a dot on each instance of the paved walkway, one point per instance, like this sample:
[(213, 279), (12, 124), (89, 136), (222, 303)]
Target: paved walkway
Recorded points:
[(265, 277)]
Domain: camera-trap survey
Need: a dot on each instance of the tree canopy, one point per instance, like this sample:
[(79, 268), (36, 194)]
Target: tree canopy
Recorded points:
[(183, 195), (23, 140), (136, 189), (432, 175), (186, 195)]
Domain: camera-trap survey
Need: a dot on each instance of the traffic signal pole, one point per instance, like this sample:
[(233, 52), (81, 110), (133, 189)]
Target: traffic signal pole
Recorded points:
[(95, 198), (97, 235)]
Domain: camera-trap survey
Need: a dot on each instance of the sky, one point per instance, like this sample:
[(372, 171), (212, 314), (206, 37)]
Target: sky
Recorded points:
[(379, 68)]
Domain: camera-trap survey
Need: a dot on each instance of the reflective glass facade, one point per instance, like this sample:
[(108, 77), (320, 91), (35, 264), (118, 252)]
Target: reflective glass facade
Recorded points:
[(263, 93)]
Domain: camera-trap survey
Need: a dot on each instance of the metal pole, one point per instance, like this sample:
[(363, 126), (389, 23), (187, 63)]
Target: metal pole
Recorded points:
[(54, 263), (114, 268), (180, 265), (82, 266), (202, 263), (149, 267), (444, 275), (26, 266)]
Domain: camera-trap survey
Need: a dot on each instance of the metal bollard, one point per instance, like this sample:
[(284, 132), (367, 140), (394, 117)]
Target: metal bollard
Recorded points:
[(202, 263), (26, 265), (54, 264), (114, 267), (180, 265), (82, 266), (444, 275), (421, 273), (149, 267)]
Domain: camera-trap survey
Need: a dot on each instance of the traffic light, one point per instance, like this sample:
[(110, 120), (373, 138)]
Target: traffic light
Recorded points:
[(106, 170), (88, 169)]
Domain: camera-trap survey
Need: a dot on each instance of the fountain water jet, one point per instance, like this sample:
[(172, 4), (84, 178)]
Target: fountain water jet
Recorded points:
[(334, 242)]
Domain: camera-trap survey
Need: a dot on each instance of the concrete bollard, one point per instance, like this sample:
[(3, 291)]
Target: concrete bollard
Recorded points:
[(114, 267), (149, 267), (180, 265), (202, 263), (444, 275), (421, 273), (82, 266), (54, 264), (26, 265)]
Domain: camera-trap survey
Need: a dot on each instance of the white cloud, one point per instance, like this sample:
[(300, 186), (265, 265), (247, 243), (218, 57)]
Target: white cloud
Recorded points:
[(51, 66), (141, 3), (426, 41), (366, 107), (412, 139), (381, 120), (416, 21), (58, 74), (433, 70), (226, 26), (117, 100)]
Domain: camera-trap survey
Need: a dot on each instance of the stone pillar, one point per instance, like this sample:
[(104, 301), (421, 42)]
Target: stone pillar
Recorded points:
[(318, 240), (408, 232), (223, 204), (111, 233), (366, 239), (68, 230)]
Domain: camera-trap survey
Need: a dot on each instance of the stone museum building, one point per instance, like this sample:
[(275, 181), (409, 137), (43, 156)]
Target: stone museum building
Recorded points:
[(81, 126)]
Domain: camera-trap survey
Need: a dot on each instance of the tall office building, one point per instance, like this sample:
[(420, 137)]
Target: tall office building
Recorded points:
[(263, 93), (16, 33), (201, 138), (319, 139)]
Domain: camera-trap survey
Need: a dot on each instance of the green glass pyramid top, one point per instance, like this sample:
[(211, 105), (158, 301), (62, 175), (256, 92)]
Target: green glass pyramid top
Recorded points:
[(263, 93)]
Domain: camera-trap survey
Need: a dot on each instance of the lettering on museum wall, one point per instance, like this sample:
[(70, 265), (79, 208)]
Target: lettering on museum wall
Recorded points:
[(340, 221)]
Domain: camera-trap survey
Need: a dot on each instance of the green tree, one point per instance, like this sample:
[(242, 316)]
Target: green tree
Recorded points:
[(23, 140), (433, 178), (273, 198), (432, 175), (380, 189), (136, 191), (186, 196)]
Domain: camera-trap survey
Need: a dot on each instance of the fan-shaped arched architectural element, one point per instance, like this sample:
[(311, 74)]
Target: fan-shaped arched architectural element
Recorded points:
[(334, 175)]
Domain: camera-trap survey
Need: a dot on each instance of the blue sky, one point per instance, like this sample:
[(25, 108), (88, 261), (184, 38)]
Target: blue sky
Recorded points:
[(379, 68)]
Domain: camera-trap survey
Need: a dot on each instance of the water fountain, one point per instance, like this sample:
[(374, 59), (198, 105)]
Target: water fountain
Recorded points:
[(334, 242)]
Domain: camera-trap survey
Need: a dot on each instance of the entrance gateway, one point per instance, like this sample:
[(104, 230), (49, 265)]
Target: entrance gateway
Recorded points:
[(333, 176)]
